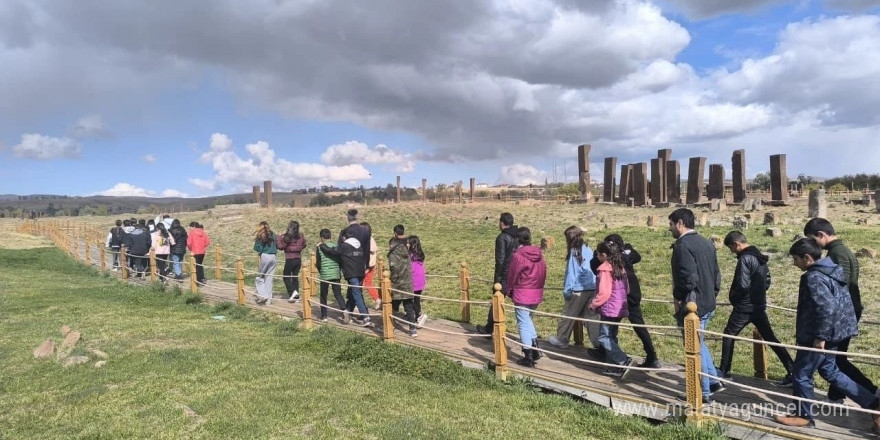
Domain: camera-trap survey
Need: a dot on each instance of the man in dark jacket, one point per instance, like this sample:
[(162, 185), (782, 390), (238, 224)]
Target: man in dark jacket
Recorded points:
[(505, 244), (137, 245), (822, 231), (825, 317), (695, 278), (358, 232), (351, 255), (748, 296)]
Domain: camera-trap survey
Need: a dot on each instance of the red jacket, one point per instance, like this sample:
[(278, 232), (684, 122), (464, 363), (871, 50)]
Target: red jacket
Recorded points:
[(526, 275), (197, 241)]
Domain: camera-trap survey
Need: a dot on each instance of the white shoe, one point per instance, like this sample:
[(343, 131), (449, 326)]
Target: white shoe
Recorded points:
[(346, 317), (554, 341), (421, 320), (378, 304), (268, 301), (294, 297)]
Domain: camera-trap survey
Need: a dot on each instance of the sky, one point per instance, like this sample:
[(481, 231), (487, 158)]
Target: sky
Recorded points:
[(193, 98)]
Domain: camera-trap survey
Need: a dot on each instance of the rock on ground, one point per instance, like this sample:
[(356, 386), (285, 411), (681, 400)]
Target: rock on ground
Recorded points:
[(70, 340), (75, 360), (45, 350)]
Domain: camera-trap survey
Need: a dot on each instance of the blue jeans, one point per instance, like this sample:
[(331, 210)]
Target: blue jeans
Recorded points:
[(608, 341), (178, 265), (707, 365), (805, 365), (527, 332), (355, 297)]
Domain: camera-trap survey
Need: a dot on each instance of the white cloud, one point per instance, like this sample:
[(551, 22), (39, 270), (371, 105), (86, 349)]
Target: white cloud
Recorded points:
[(521, 174), (149, 158), (207, 185), (353, 152), (174, 193), (90, 127), (261, 164), (40, 147), (123, 189)]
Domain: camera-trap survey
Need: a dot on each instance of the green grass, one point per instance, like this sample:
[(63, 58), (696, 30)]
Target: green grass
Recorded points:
[(174, 372)]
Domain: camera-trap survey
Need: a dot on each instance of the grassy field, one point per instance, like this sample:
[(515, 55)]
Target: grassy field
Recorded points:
[(174, 372), (455, 233)]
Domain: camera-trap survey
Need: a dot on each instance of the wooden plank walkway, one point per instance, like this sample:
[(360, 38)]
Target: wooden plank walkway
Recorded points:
[(740, 413)]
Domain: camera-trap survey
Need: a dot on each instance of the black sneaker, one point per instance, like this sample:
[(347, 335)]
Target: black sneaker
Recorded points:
[(786, 382), (724, 374), (628, 363), (484, 330), (717, 388), (650, 363), (596, 353)]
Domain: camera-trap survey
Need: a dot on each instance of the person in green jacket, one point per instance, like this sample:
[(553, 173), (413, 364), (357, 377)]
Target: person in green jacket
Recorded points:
[(328, 272), (400, 266), (823, 232), (264, 245)]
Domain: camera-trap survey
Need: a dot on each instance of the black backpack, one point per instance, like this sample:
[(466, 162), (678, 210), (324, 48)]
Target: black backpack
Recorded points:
[(116, 235)]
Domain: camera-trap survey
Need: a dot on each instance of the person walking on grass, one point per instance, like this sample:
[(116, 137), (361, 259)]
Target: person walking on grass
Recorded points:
[(265, 247), (823, 232), (578, 291), (417, 259), (351, 256), (162, 242), (371, 269), (505, 244), (328, 274), (610, 303), (631, 257), (178, 249), (825, 318), (748, 296), (695, 278), (197, 241), (114, 243), (400, 266), (359, 233), (138, 244), (525, 283), (292, 242)]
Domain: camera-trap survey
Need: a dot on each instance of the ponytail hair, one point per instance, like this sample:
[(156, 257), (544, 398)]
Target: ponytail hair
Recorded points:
[(574, 241), (615, 258)]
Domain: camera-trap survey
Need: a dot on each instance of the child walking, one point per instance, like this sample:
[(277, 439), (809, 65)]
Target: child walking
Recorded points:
[(579, 290), (328, 272), (610, 303), (292, 243), (197, 242), (525, 284), (400, 266), (417, 258), (264, 246), (162, 242)]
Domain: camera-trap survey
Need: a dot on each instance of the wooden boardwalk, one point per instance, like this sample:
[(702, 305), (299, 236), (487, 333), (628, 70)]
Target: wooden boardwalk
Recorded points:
[(740, 413)]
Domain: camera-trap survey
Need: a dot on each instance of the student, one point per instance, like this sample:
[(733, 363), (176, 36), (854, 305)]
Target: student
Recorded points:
[(197, 242), (359, 233), (505, 244), (162, 242), (178, 249), (151, 226), (265, 247), (825, 318), (114, 242), (612, 288), (351, 255), (578, 291), (695, 278), (371, 269), (417, 259), (823, 232), (137, 245), (400, 266), (525, 283), (748, 296), (292, 243), (328, 272)]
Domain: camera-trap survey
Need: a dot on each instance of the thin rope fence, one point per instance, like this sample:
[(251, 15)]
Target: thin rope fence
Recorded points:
[(596, 321), (791, 347), (589, 361)]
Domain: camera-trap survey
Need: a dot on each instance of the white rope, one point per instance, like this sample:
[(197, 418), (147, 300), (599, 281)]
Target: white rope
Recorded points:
[(474, 335), (789, 396), (436, 298), (793, 347), (441, 276), (353, 312), (574, 318), (603, 364)]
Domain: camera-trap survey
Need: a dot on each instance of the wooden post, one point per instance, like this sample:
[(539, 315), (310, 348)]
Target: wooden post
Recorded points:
[(387, 324), (218, 273), (578, 333), (193, 287), (313, 279), (75, 247), (306, 287), (239, 280), (103, 252), (498, 333), (464, 282), (759, 353), (692, 366), (122, 262), (380, 265), (153, 276), (88, 252)]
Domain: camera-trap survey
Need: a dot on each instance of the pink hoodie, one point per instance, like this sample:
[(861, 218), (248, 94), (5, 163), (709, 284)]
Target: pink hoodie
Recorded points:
[(610, 299), (526, 275)]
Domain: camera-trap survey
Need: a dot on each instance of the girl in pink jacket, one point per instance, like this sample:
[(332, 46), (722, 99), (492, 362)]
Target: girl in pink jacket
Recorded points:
[(525, 284), (610, 303)]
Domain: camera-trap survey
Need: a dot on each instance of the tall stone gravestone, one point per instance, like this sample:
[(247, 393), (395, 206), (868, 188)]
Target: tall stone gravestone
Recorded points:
[(716, 181), (673, 182), (610, 179), (640, 184), (778, 178), (584, 172), (624, 190), (739, 175), (818, 206), (658, 181), (664, 155), (696, 170)]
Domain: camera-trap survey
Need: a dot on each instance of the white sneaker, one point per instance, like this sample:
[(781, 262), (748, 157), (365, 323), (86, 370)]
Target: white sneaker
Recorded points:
[(421, 320), (554, 341), (294, 297), (378, 304), (268, 301), (346, 317)]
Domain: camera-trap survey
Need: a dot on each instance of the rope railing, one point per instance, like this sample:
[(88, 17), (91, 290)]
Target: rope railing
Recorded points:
[(590, 361), (791, 347), (596, 321), (447, 332)]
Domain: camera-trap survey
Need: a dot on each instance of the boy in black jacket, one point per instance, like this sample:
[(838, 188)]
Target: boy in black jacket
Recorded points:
[(748, 296), (351, 255)]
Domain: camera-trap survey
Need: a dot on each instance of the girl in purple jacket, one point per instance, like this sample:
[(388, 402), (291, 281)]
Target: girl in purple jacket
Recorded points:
[(292, 243), (610, 303), (525, 284), (417, 256)]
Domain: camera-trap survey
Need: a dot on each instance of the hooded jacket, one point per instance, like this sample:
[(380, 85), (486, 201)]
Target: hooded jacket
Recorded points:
[(751, 279), (351, 256), (292, 250), (695, 273), (138, 242), (825, 310), (631, 257), (840, 254), (363, 237), (611, 296), (161, 244), (197, 241), (505, 245), (400, 266), (526, 275), (578, 276), (180, 239)]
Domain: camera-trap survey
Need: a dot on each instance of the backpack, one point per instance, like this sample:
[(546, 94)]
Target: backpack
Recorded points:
[(116, 235)]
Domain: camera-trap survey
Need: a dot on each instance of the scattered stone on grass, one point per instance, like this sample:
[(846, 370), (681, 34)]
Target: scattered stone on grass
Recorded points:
[(769, 218), (100, 354), (716, 240), (100, 364), (867, 253), (65, 330), (75, 360), (773, 232), (45, 350), (70, 341)]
